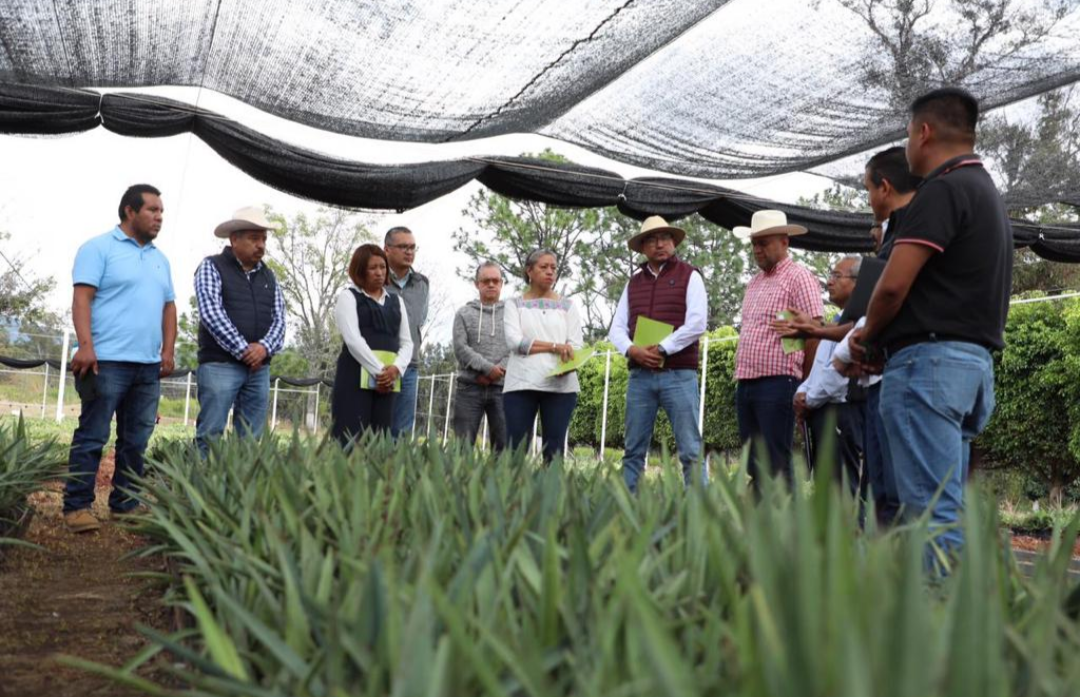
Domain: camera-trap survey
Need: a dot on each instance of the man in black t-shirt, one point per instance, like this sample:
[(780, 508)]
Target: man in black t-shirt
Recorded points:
[(938, 311)]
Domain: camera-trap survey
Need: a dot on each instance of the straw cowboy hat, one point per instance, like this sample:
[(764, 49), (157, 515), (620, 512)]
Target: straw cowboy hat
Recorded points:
[(250, 218), (765, 223), (651, 226)]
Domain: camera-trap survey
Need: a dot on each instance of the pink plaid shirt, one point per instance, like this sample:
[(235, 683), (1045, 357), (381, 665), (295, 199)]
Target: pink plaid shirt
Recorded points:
[(759, 353)]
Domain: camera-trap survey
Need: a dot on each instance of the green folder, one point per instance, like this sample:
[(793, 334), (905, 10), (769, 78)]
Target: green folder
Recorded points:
[(789, 344), (649, 332), (579, 359), (367, 380)]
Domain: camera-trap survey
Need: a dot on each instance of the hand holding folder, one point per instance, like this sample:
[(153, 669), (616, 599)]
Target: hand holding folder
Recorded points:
[(369, 381), (649, 332)]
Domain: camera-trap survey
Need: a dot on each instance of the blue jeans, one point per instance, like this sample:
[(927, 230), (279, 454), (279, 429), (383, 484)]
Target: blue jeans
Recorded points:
[(677, 392), (879, 470), (131, 391), (766, 416), (405, 405), (224, 386), (935, 398), (556, 410)]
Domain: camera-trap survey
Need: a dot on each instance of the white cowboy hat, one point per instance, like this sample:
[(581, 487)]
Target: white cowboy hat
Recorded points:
[(249, 218), (765, 223), (652, 225)]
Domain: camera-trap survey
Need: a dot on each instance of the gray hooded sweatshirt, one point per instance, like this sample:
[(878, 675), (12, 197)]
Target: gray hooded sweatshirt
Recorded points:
[(479, 340)]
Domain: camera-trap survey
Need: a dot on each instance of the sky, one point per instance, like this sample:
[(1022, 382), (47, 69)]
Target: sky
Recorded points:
[(57, 192)]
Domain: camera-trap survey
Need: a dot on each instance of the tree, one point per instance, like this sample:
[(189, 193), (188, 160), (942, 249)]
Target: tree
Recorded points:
[(22, 294), (187, 337), (310, 256), (910, 52)]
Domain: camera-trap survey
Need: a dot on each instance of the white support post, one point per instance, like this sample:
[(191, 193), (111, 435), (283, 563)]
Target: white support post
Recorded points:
[(449, 406), (45, 390), (430, 409), (533, 446), (704, 377), (187, 399), (484, 436), (63, 376), (316, 425), (416, 403), (273, 414), (603, 417)]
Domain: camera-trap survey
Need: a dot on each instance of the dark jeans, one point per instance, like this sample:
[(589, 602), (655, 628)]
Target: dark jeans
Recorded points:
[(225, 386), (838, 432), (471, 403), (404, 415), (556, 409), (766, 416), (879, 471), (131, 391)]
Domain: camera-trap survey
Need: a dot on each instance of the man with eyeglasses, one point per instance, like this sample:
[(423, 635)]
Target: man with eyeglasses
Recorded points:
[(481, 352), (668, 290), (414, 288), (821, 401)]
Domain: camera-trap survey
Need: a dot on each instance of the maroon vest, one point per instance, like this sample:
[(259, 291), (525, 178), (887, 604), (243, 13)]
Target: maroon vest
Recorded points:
[(663, 298)]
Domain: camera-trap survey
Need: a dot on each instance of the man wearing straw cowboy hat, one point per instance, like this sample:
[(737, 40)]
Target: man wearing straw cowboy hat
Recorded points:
[(241, 326), (767, 374), (667, 290)]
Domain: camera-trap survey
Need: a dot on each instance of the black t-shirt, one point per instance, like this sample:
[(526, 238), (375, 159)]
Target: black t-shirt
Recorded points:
[(888, 237), (962, 293)]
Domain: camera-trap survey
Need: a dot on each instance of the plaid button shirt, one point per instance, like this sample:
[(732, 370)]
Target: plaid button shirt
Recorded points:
[(759, 353)]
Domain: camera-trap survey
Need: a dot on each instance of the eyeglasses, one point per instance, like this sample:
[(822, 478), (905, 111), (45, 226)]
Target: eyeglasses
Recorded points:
[(838, 276), (405, 247), (658, 237), (489, 281)]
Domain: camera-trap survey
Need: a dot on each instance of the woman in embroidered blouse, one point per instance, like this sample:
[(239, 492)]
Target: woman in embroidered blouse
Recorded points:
[(370, 320), (542, 329)]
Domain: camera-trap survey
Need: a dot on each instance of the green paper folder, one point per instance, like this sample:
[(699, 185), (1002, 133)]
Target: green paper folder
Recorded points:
[(367, 380), (649, 332), (580, 356), (787, 343)]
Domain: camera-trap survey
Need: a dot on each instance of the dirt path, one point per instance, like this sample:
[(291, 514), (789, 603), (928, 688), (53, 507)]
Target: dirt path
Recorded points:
[(75, 599)]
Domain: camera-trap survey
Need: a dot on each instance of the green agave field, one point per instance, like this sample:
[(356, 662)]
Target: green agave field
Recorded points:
[(429, 570)]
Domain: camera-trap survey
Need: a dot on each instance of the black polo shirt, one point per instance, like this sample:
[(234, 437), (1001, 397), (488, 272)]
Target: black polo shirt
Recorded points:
[(962, 293), (888, 237)]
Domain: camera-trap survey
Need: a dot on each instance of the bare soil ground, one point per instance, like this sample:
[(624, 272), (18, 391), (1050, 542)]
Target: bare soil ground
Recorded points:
[(77, 598)]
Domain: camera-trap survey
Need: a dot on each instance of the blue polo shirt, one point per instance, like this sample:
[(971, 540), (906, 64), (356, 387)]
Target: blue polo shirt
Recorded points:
[(133, 284)]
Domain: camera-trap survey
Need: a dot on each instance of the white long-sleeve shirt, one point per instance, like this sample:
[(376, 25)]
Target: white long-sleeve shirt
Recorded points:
[(842, 355), (345, 317), (693, 326), (824, 385), (526, 321)]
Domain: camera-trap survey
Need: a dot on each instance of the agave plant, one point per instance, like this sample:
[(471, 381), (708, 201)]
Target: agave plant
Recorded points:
[(24, 468), (418, 569)]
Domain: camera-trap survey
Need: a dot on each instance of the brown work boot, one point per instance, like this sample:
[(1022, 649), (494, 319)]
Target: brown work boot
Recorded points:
[(81, 520)]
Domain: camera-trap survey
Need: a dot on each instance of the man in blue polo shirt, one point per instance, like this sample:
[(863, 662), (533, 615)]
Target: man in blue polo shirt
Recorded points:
[(125, 320), (938, 311)]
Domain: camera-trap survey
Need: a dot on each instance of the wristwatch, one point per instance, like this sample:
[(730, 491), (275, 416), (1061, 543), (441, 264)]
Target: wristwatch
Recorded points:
[(662, 351)]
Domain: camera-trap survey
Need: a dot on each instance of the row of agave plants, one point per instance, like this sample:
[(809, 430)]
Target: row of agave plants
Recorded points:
[(25, 466), (418, 569)]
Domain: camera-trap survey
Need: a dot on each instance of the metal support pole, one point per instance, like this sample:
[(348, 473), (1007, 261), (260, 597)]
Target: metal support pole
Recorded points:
[(704, 377), (603, 417), (449, 406), (536, 420), (273, 414), (316, 427), (484, 437), (63, 376), (45, 390), (187, 399), (415, 403), (430, 409)]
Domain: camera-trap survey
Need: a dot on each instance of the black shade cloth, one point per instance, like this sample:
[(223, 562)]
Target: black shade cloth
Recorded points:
[(712, 88), (319, 177)]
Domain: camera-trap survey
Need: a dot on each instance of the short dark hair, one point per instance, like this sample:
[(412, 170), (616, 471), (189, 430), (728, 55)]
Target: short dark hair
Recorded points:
[(389, 236), (954, 112), (134, 197), (359, 262), (891, 165)]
